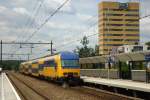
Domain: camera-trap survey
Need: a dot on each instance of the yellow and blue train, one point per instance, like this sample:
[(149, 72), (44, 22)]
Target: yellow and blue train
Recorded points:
[(61, 67)]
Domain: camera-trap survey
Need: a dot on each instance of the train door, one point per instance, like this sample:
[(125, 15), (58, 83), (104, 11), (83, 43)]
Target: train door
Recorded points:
[(52, 68), (49, 69), (56, 68)]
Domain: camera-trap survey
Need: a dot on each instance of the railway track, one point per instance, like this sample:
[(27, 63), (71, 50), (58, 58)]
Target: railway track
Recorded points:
[(59, 93), (103, 93), (21, 92)]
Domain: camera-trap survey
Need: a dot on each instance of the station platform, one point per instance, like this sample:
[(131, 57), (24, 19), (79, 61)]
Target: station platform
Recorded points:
[(126, 84), (7, 91)]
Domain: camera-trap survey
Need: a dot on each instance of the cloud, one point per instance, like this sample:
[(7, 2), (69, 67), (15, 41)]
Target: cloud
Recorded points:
[(54, 4), (2, 9), (21, 11), (65, 26), (71, 23), (83, 16), (145, 31)]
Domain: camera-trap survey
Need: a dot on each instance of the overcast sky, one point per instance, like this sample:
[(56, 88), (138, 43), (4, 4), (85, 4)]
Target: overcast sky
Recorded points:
[(18, 20)]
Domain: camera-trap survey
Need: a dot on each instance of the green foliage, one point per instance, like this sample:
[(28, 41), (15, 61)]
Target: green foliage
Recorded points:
[(96, 50), (84, 42), (124, 67), (86, 51), (10, 65), (148, 43)]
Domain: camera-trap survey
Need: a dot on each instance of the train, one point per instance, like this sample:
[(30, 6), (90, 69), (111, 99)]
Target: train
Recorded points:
[(62, 67)]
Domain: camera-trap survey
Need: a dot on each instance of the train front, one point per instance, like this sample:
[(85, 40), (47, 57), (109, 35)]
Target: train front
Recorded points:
[(70, 68)]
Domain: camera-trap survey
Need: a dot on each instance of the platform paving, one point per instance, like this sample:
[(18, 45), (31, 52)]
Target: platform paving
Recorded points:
[(127, 84), (7, 91)]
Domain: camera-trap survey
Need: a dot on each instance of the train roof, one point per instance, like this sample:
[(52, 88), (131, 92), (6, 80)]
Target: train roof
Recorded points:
[(68, 55), (64, 55)]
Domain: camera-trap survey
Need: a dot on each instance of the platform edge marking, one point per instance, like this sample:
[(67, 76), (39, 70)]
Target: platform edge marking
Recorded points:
[(2, 92), (16, 94)]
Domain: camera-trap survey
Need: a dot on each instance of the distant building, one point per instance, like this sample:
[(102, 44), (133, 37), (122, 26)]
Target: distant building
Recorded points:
[(118, 25), (132, 48)]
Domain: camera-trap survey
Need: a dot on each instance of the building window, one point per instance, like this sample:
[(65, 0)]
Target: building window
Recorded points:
[(113, 29), (129, 10), (132, 34), (113, 14), (112, 44), (132, 20), (137, 48), (132, 40), (116, 19), (113, 39), (114, 24), (132, 24), (112, 34), (132, 29), (131, 15)]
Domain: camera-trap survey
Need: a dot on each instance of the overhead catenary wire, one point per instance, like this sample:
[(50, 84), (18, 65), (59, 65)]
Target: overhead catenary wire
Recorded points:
[(26, 24), (97, 33), (91, 35), (35, 15), (30, 22), (89, 27), (47, 19)]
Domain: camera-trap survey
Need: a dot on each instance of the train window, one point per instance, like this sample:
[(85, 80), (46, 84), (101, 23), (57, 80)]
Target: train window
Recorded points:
[(49, 63), (89, 66), (41, 66), (70, 63), (138, 65), (83, 66), (34, 70), (35, 62)]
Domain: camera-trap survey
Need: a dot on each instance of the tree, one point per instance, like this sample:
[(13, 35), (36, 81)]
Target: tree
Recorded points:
[(10, 65), (84, 42), (148, 43), (96, 50), (85, 51)]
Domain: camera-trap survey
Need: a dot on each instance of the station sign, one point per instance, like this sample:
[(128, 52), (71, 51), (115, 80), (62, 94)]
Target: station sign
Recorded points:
[(123, 5), (147, 57)]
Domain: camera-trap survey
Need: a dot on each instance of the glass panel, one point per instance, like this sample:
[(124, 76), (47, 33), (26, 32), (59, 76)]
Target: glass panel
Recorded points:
[(70, 63), (49, 64)]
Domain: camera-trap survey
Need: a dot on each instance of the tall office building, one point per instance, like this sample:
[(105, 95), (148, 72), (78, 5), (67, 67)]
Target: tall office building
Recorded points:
[(118, 25)]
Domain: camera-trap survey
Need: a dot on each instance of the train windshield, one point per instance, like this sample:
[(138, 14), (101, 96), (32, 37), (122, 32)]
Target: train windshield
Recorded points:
[(70, 63)]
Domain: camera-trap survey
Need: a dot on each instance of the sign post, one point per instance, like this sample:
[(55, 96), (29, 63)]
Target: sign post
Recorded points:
[(147, 58)]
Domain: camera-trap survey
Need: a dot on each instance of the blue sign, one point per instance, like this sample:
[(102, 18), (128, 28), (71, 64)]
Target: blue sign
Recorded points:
[(147, 57), (123, 5)]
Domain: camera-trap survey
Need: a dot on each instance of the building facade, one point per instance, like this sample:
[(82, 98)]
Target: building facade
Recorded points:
[(133, 48), (118, 25)]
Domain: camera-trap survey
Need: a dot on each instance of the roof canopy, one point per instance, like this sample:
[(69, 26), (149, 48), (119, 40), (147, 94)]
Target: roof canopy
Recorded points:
[(137, 56)]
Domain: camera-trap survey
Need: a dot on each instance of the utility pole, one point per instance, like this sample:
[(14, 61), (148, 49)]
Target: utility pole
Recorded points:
[(28, 57), (24, 43), (1, 51), (32, 47), (51, 47)]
